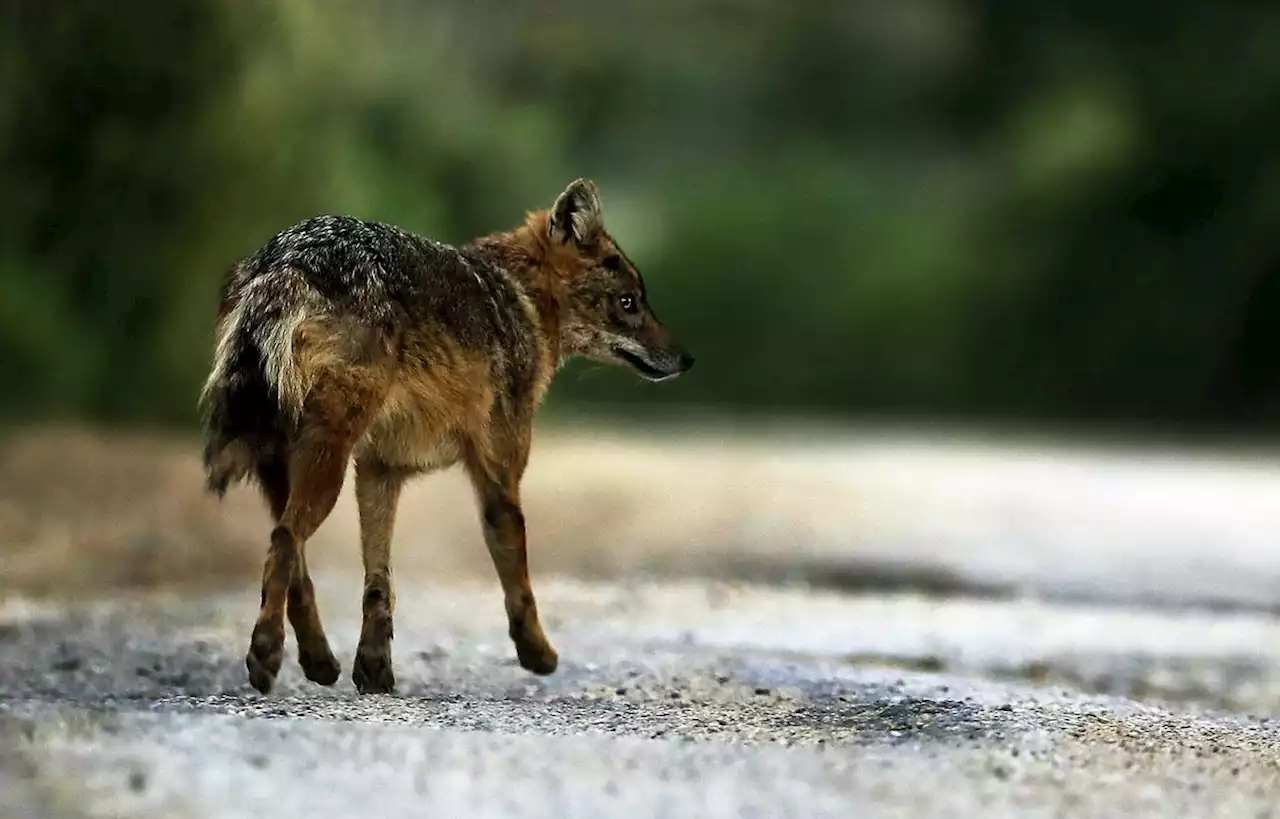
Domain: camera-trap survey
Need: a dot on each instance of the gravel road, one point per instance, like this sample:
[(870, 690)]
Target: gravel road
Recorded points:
[(672, 700), (911, 630)]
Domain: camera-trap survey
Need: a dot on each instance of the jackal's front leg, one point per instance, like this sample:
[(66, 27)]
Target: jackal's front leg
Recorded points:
[(504, 534)]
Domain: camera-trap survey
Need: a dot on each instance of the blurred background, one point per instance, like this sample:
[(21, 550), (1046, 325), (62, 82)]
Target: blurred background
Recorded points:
[(965, 208), (922, 213)]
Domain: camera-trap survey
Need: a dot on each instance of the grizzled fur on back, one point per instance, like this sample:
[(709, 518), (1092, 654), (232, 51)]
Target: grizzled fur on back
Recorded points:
[(384, 281)]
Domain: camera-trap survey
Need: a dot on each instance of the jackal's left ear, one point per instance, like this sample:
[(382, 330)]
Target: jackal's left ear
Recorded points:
[(576, 214)]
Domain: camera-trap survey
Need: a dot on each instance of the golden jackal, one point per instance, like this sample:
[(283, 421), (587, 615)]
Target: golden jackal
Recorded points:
[(342, 339)]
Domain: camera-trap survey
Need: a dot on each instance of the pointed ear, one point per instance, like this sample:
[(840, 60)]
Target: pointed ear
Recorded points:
[(576, 214)]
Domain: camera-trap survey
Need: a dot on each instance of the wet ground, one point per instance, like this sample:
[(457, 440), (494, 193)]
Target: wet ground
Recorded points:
[(1053, 645)]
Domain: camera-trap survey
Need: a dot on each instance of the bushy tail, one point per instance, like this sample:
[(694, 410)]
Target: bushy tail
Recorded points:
[(243, 428)]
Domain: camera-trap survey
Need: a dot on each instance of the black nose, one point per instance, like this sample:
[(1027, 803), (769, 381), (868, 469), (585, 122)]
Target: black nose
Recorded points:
[(686, 361)]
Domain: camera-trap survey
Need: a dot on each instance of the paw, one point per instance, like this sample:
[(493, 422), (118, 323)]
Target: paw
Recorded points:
[(539, 658), (372, 672), (321, 667), (266, 653)]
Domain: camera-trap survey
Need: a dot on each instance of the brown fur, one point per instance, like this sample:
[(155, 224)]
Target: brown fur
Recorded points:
[(410, 394)]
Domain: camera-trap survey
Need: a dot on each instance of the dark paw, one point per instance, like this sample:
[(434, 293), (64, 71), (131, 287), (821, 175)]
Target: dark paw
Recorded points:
[(372, 673), (320, 667), (263, 660), (540, 658)]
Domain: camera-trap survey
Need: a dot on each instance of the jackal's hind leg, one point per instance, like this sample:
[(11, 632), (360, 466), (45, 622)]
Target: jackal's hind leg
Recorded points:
[(377, 492), (314, 654), (316, 472), (334, 417)]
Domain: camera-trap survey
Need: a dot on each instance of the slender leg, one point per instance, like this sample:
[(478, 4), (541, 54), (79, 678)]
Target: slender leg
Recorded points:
[(377, 491), (314, 654), (497, 484), (334, 418), (316, 472)]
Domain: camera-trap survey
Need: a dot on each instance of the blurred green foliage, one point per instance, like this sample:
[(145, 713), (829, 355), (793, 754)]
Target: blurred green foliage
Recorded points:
[(1033, 210)]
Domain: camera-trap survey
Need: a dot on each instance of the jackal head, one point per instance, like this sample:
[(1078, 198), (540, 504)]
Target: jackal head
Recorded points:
[(606, 316)]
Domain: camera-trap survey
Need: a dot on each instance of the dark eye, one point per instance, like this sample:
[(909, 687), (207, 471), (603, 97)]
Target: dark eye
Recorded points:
[(613, 261), (628, 304)]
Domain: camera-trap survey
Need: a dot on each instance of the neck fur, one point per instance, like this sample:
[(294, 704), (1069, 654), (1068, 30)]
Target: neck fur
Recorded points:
[(528, 254)]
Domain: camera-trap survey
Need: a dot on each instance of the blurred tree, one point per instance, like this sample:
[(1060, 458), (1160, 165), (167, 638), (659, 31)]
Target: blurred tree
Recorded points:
[(1148, 263), (107, 164), (1050, 210)]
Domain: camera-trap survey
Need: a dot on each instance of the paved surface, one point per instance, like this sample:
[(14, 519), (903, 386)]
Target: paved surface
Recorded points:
[(672, 700)]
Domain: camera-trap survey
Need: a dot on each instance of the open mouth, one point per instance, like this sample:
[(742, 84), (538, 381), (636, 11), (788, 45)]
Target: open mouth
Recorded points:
[(641, 366)]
